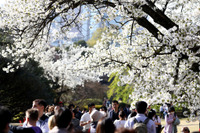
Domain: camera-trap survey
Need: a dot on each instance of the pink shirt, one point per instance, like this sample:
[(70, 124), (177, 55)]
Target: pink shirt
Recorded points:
[(169, 119)]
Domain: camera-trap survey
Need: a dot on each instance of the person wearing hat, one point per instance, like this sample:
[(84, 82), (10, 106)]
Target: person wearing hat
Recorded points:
[(185, 130), (95, 117), (61, 105)]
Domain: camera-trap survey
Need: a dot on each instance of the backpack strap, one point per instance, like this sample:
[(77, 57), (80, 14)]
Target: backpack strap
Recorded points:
[(135, 120), (146, 121)]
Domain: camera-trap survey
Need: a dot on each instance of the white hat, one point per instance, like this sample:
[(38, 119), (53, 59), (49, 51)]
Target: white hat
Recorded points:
[(104, 113), (96, 115)]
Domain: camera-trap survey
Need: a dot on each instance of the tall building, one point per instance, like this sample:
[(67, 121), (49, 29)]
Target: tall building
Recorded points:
[(88, 25)]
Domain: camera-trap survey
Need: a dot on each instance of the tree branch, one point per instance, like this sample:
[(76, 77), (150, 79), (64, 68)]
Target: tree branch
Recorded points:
[(158, 15), (149, 26), (149, 8)]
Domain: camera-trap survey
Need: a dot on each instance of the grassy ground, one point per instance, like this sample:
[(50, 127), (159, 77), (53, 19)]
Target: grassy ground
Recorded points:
[(193, 126)]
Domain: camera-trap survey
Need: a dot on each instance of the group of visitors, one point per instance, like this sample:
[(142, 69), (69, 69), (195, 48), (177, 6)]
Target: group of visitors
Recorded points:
[(164, 109), (56, 119)]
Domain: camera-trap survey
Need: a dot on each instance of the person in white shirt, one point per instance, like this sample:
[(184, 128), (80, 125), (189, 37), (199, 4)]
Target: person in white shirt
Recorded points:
[(104, 111), (40, 104), (86, 119), (95, 117), (120, 123), (157, 122), (141, 108), (165, 110), (152, 115)]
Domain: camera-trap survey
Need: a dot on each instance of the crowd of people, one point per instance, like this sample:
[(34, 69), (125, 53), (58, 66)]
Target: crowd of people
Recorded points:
[(58, 119)]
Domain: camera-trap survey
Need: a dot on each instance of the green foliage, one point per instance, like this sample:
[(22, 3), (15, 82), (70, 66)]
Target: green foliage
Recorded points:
[(157, 108), (96, 106), (95, 36), (84, 103), (19, 117), (81, 43), (5, 38), (19, 88), (116, 92)]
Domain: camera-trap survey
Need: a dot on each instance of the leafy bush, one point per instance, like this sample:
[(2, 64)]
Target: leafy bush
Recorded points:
[(116, 92), (84, 103), (19, 117), (96, 106)]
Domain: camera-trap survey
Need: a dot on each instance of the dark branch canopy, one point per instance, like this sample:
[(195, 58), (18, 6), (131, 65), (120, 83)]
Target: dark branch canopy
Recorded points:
[(149, 8)]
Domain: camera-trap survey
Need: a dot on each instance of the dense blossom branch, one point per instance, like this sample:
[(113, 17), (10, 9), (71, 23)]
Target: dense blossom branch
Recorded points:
[(153, 45)]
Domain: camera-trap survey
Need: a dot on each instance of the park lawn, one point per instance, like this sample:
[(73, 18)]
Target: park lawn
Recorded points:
[(193, 126)]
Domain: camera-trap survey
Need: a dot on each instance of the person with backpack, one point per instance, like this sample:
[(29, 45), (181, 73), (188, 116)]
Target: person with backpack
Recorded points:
[(140, 122)]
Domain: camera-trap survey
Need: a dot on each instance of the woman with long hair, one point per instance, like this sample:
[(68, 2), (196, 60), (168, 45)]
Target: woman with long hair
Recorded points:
[(172, 121), (152, 115), (120, 123), (105, 125)]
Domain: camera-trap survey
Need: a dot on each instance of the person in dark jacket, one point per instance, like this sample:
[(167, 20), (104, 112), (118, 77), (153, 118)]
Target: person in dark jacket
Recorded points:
[(114, 113), (5, 119)]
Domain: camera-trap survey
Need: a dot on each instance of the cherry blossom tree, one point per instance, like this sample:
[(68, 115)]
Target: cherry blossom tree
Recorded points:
[(153, 45)]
